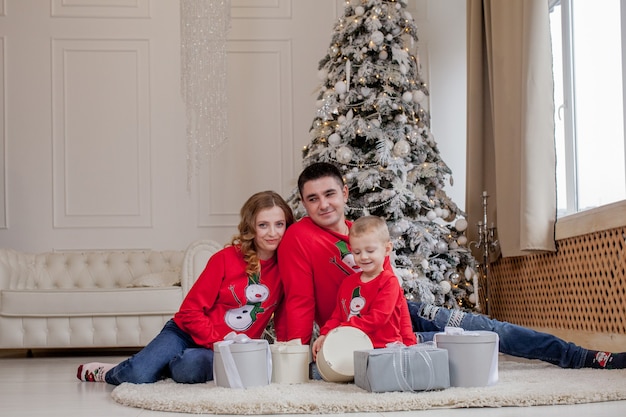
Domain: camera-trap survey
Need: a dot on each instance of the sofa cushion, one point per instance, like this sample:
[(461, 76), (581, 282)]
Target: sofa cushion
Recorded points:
[(101, 302), (157, 279)]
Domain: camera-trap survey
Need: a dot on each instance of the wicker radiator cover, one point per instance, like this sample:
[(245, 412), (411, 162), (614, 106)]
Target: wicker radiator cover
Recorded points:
[(578, 293)]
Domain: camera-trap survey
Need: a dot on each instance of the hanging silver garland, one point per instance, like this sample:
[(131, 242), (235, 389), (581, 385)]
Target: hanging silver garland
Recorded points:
[(204, 31)]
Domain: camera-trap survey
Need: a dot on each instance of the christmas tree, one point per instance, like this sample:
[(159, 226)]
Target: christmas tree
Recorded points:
[(371, 122)]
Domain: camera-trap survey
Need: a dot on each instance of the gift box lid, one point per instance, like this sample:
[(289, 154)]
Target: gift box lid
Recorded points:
[(250, 346), (335, 360), (478, 336)]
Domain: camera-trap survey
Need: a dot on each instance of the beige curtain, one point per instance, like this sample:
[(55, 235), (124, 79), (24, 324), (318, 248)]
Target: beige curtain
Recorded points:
[(510, 148)]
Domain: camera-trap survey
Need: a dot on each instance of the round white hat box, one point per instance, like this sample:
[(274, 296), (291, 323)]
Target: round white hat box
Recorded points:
[(473, 357), (335, 360)]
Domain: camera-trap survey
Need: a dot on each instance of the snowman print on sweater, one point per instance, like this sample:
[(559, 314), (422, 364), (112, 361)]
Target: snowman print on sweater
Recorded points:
[(346, 259), (357, 303), (242, 318)]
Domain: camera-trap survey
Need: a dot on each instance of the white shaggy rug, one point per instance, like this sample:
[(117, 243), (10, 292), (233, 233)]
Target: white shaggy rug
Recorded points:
[(522, 383)]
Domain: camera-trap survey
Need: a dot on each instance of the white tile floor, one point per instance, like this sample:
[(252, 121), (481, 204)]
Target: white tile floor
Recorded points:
[(46, 385)]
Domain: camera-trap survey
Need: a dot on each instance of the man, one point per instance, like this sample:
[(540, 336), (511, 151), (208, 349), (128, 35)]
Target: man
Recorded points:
[(314, 258)]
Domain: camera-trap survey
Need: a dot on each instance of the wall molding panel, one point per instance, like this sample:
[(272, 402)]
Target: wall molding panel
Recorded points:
[(260, 87), (101, 133), (101, 8), (261, 9)]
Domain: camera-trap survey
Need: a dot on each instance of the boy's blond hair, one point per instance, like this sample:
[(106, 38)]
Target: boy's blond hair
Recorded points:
[(370, 224)]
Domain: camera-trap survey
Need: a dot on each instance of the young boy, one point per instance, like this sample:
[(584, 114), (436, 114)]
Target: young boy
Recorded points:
[(371, 299)]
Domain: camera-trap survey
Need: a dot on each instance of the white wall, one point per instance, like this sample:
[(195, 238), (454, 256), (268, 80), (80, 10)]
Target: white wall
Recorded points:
[(442, 47), (92, 125)]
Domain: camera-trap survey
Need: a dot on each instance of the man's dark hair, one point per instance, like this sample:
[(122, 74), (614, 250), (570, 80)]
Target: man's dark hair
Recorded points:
[(319, 170)]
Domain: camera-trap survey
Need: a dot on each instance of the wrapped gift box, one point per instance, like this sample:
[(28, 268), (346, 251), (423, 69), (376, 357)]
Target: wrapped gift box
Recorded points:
[(242, 363), (290, 362), (414, 368), (473, 356)]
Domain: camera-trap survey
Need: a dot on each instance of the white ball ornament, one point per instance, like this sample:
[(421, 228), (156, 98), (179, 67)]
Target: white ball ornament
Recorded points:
[(407, 97), (445, 213), (445, 287), (359, 11), (424, 264), (418, 96), (462, 240), (334, 139), (343, 155), (383, 55), (401, 148), (439, 211), (460, 225), (340, 87), (401, 118), (377, 37), (431, 215)]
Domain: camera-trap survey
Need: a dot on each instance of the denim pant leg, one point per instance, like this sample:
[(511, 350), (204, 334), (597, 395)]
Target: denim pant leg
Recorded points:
[(151, 363), (514, 340), (193, 366), (425, 329)]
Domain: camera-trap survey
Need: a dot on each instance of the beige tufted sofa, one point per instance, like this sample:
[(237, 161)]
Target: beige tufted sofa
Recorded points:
[(98, 299)]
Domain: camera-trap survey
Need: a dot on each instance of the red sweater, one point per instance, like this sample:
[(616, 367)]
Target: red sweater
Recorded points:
[(225, 299), (377, 307), (312, 269)]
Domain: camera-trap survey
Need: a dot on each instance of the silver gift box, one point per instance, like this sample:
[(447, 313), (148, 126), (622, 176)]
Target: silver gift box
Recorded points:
[(414, 368)]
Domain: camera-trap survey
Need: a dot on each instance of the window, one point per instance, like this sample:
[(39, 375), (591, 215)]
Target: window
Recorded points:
[(587, 44)]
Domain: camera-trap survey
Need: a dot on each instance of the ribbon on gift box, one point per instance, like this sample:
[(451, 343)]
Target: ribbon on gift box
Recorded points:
[(493, 372), (230, 368), (402, 353)]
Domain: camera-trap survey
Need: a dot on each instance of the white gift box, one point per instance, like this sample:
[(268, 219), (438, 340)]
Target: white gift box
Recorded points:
[(241, 362), (473, 356), (335, 360), (290, 362)]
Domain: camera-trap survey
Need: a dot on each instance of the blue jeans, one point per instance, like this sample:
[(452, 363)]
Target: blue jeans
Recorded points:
[(171, 354), (514, 340)]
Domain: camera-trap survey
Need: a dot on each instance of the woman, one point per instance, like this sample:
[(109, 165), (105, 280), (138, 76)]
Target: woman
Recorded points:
[(239, 290)]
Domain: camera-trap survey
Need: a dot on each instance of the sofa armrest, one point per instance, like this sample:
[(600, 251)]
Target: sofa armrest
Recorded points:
[(15, 269), (196, 257)]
